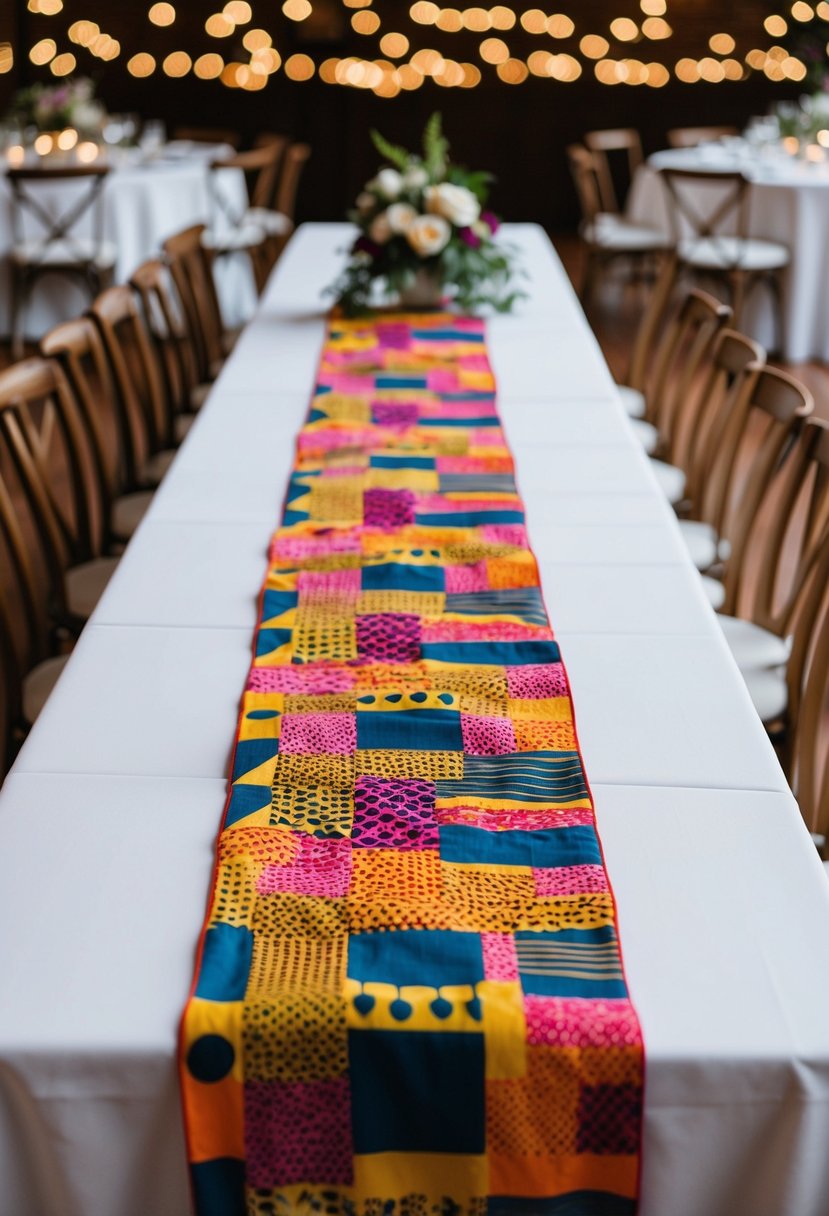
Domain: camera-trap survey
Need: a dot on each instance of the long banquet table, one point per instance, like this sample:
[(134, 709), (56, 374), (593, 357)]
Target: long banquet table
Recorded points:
[(108, 819)]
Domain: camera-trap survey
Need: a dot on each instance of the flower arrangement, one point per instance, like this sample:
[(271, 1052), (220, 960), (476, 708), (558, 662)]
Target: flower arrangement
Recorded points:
[(424, 231), (51, 107)]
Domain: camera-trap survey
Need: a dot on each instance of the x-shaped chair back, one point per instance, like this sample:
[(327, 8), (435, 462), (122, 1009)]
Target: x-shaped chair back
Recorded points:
[(56, 222), (708, 213)]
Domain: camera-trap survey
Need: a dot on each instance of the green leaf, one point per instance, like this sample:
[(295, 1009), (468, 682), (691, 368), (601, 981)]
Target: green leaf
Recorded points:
[(398, 156), (435, 148)]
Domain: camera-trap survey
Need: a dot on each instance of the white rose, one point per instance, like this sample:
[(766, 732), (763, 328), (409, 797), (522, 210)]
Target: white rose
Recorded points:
[(428, 234), (454, 203), (415, 177), (380, 229), (388, 183), (400, 216), (364, 202)]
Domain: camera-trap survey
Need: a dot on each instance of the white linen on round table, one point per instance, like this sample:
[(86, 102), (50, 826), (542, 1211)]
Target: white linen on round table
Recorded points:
[(144, 202), (788, 203), (110, 815)]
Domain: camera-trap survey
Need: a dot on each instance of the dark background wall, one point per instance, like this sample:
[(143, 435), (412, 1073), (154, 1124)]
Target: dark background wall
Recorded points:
[(519, 132)]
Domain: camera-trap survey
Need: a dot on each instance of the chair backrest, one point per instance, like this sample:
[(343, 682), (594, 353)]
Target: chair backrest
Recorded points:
[(263, 193), (625, 140), (192, 274), (293, 163), (135, 367), (51, 540), (167, 324), (585, 178), (758, 430), (685, 343), (703, 203), (78, 348), (261, 168), (53, 216), (807, 761), (691, 137), (209, 135), (729, 373)]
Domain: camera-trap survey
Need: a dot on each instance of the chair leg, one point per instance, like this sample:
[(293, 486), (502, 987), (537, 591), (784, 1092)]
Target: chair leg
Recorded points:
[(652, 320), (20, 292)]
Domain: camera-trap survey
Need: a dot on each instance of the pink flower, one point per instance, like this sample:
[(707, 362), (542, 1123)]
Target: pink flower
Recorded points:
[(469, 238), (491, 220)]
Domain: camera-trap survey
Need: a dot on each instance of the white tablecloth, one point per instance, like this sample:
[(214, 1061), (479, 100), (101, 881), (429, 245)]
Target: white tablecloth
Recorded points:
[(789, 203), (108, 820), (144, 202)]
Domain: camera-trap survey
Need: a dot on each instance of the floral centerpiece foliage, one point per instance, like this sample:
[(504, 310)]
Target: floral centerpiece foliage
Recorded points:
[(423, 219), (51, 107)]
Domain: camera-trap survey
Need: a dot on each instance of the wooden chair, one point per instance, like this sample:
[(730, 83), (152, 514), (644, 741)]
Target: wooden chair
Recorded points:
[(140, 385), (691, 137), (293, 164), (46, 236), (167, 324), (67, 534), (192, 274), (807, 758), (624, 141), (78, 348), (208, 135), (264, 188), (607, 236), (704, 207), (247, 230)]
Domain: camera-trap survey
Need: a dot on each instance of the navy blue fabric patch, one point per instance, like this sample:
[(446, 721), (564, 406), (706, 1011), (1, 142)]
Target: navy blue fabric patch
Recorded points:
[(228, 950)]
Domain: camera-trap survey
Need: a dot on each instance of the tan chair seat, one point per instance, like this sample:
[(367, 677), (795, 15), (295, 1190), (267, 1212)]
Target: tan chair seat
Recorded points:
[(39, 683), (234, 240), (671, 481), (632, 400), (753, 646), (85, 585), (714, 590), (80, 251), (154, 469), (128, 511), (273, 223), (646, 433), (705, 547), (613, 233), (733, 253), (769, 693)]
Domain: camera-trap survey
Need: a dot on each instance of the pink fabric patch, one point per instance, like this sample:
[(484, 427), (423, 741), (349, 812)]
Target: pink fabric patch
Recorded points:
[(459, 579), (506, 821), (321, 584), (537, 681), (296, 1130), (484, 631), (500, 957), (569, 880), (312, 733), (476, 464), (487, 437), (321, 867), (442, 381), (554, 1021), (388, 509), (296, 548), (302, 680), (487, 736), (506, 534)]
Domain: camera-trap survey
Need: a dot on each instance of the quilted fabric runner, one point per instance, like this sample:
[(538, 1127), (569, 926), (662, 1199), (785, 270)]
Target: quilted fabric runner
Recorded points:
[(409, 997)]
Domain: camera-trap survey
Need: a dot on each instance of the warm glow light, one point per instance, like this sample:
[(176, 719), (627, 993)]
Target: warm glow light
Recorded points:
[(711, 70), (656, 27), (658, 75), (593, 46), (67, 139), (428, 61), (177, 63), (539, 62), (63, 64), (471, 75), (822, 10), (15, 155), (6, 57), (501, 17), (653, 8), (238, 11), (297, 10), (328, 70), (266, 60), (255, 40), (494, 50), (733, 69), (394, 45), (87, 152), (299, 67), (802, 11), (43, 51), (756, 58), (721, 44), (452, 76), (450, 21), (775, 26), (409, 77), (514, 71), (687, 70), (84, 33), (793, 69), (209, 67), (559, 25), (823, 138), (791, 144), (364, 21), (141, 65), (162, 14), (815, 155), (43, 145), (424, 12), (477, 19), (219, 26), (624, 29), (534, 21), (47, 8)]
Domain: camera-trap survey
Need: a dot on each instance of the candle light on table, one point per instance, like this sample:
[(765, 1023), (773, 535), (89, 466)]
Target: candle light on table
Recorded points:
[(791, 144), (815, 155), (67, 139), (15, 155), (43, 144), (87, 152)]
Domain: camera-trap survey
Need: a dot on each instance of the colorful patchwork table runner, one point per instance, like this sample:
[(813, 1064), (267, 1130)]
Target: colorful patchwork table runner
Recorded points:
[(409, 998)]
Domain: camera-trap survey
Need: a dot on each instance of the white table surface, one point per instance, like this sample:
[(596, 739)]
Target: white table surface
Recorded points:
[(109, 817), (145, 200), (788, 203)]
